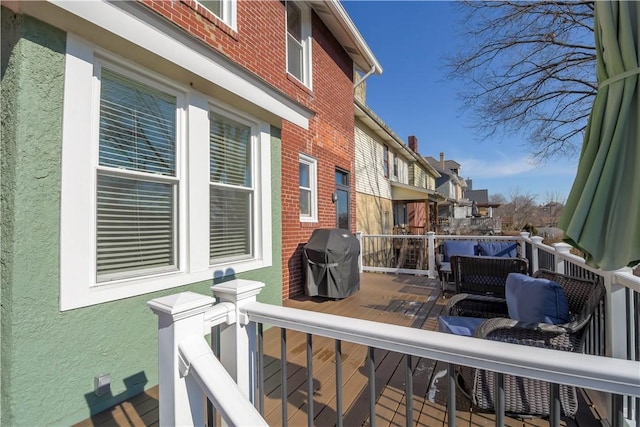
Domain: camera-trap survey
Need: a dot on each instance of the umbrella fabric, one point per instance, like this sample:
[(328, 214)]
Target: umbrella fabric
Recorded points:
[(602, 214)]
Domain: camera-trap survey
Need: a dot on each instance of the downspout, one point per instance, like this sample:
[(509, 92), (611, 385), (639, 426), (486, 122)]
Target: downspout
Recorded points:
[(366, 76)]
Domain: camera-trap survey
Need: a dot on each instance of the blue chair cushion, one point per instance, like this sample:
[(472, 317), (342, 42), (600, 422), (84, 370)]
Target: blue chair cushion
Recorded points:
[(459, 325), (459, 247), (500, 249), (533, 300)]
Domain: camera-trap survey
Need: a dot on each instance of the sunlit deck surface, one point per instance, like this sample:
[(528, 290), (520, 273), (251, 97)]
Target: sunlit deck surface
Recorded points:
[(406, 300)]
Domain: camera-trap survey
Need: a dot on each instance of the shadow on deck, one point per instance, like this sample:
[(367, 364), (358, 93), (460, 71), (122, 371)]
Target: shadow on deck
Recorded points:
[(405, 300)]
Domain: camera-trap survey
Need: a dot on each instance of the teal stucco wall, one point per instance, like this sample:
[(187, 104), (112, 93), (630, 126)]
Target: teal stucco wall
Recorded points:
[(49, 358)]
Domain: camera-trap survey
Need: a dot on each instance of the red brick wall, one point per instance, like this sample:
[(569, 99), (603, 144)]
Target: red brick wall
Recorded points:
[(259, 45)]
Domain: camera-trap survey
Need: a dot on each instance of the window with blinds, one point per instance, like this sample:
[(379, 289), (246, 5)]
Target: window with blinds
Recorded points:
[(231, 189), (136, 180)]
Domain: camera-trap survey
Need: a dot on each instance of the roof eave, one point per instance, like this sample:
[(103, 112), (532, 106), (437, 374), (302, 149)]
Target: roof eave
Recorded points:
[(336, 18)]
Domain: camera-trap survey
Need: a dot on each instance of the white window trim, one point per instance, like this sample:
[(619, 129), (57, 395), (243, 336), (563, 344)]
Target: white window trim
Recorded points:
[(78, 287), (229, 13), (313, 184), (305, 22)]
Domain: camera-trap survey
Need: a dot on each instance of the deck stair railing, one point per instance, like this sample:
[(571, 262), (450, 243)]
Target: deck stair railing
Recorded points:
[(189, 371)]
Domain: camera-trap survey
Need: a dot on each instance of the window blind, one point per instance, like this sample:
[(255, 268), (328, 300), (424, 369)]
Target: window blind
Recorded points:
[(231, 189), (136, 191)]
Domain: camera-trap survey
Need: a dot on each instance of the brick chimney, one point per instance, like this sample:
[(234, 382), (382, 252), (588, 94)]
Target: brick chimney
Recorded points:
[(442, 159), (413, 143)]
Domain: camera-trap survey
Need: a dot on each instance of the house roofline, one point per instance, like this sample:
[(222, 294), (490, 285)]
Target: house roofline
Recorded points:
[(336, 18)]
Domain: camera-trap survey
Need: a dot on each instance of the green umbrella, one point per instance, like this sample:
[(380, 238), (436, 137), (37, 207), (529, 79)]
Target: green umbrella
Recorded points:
[(602, 214)]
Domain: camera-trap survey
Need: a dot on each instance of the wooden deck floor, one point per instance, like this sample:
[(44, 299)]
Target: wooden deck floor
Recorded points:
[(398, 299)]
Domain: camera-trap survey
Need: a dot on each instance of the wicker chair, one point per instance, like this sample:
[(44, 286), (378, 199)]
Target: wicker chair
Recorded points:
[(484, 275), (524, 396)]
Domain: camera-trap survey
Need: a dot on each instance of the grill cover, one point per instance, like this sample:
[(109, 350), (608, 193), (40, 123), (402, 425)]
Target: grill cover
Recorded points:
[(331, 260)]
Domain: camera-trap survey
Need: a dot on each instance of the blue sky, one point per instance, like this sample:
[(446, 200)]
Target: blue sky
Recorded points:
[(414, 97)]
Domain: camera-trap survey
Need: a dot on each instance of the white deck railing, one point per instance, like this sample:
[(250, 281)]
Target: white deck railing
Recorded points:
[(189, 371)]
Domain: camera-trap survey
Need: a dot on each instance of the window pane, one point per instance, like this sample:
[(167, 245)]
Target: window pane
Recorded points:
[(342, 178), (342, 209), (214, 6), (137, 126), (294, 23), (230, 219), (294, 57), (304, 175), (230, 152), (305, 202), (135, 226)]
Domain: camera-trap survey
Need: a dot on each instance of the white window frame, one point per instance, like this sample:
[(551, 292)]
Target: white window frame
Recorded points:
[(305, 22), (313, 187), (229, 12), (78, 285)]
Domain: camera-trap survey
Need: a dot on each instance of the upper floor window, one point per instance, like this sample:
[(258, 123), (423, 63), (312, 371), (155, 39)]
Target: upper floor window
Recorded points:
[(395, 166), (308, 188), (298, 41), (223, 9), (385, 161)]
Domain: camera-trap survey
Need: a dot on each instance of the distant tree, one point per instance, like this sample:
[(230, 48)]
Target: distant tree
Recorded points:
[(497, 199), (551, 209), (529, 66), (519, 209)]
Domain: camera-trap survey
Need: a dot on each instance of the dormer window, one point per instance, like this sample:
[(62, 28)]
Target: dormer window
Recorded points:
[(223, 9), (298, 42)]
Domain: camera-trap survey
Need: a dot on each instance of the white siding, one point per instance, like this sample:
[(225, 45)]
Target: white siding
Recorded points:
[(369, 172)]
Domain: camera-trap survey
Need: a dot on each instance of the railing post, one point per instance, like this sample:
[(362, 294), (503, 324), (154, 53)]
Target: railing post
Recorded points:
[(359, 236), (616, 334), (431, 250), (238, 341), (561, 248), (181, 400), (536, 240), (524, 235)]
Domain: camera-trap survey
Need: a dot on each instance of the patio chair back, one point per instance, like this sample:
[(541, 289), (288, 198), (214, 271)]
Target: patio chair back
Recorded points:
[(485, 275), (524, 396)]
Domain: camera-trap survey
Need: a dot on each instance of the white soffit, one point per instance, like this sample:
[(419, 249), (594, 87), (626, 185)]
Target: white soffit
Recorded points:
[(336, 18)]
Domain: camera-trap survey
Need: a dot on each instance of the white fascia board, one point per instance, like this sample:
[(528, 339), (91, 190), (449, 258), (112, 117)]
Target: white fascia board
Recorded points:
[(140, 26)]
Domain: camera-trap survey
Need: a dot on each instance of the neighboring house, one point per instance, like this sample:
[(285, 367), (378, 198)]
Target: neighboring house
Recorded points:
[(152, 147), (395, 186), (481, 199), (451, 185)]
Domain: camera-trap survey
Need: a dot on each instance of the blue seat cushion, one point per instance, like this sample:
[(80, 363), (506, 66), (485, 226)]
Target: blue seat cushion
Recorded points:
[(500, 249), (459, 247), (459, 325), (535, 300)]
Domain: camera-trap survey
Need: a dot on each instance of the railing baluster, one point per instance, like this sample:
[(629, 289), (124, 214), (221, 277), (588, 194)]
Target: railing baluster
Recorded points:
[(212, 413), (408, 391), (283, 375), (372, 387), (499, 398), (339, 383), (309, 379), (451, 401), (635, 320), (261, 368), (554, 405)]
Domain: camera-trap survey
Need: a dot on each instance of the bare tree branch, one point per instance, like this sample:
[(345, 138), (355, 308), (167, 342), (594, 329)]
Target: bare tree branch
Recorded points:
[(529, 66)]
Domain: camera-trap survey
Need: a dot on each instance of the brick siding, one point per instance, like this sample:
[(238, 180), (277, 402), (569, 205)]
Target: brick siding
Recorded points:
[(259, 45)]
